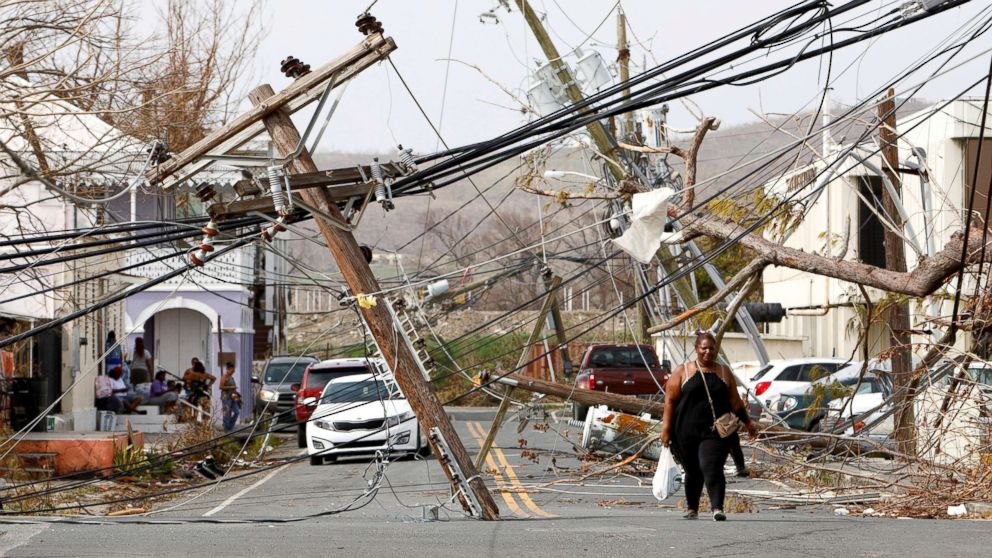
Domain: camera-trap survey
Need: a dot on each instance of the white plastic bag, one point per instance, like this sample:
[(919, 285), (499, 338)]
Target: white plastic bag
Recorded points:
[(665, 477)]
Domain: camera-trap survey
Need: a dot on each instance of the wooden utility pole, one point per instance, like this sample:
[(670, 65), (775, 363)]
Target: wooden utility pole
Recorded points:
[(504, 405), (599, 134), (601, 137), (895, 260), (623, 61), (587, 397), (559, 324), (627, 134), (418, 390)]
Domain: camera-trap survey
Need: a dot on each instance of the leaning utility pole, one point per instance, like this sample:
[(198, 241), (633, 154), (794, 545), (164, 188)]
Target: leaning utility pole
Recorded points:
[(504, 405), (895, 260), (360, 279), (271, 112), (601, 138), (599, 134)]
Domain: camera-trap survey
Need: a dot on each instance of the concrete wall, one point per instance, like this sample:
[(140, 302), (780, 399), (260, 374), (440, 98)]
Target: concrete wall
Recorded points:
[(81, 363)]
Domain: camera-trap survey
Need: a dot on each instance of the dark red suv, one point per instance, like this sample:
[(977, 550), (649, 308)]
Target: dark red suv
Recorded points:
[(314, 379)]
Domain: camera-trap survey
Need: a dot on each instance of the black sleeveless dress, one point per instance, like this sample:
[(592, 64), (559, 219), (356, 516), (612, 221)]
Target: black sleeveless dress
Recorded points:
[(693, 416)]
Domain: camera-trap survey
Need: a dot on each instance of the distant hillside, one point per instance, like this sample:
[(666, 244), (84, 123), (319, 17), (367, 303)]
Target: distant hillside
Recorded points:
[(720, 165)]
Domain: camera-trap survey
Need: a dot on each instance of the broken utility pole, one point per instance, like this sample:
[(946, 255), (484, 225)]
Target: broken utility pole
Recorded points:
[(587, 397), (273, 111), (360, 279), (605, 143), (628, 135), (899, 327), (504, 405), (597, 131)]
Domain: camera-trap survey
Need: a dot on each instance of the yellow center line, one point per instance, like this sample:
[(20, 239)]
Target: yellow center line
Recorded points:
[(514, 482), (507, 497)]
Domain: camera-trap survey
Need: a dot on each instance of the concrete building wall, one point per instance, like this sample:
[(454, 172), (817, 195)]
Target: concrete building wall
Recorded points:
[(833, 215), (183, 321)]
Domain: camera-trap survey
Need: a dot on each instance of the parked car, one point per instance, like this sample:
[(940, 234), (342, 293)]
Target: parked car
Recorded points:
[(844, 411), (874, 401), (780, 375), (628, 369), (805, 408), (314, 379), (362, 414), (276, 396)]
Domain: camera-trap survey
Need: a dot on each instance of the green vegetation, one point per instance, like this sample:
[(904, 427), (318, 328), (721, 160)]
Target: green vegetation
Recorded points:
[(130, 460)]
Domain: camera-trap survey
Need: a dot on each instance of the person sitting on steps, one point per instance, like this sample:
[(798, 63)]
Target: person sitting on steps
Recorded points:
[(119, 390), (160, 393)]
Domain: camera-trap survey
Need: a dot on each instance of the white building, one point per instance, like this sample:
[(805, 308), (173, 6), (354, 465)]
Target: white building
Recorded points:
[(845, 221), (81, 154)]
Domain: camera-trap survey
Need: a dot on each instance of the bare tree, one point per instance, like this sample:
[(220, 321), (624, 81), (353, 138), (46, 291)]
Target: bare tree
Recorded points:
[(207, 49)]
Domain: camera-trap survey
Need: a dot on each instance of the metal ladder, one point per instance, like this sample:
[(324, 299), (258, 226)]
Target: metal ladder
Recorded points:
[(404, 329), (401, 313)]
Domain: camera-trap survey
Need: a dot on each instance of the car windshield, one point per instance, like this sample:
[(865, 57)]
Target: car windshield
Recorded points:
[(289, 372), (353, 392), (622, 357), (318, 377), (869, 386)]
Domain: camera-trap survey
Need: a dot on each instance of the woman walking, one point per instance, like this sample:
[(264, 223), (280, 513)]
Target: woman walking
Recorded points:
[(698, 397)]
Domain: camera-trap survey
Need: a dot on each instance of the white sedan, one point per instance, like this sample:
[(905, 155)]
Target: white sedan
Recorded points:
[(362, 414)]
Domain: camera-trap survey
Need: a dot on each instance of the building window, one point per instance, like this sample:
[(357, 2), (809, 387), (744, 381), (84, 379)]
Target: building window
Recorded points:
[(871, 234), (984, 175)]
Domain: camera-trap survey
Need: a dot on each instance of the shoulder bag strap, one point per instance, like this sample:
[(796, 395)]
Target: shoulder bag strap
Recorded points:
[(705, 387)]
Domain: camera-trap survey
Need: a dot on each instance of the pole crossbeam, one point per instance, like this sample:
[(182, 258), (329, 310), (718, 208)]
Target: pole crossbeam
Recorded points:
[(303, 91)]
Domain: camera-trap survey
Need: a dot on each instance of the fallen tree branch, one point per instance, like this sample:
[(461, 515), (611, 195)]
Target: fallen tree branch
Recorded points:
[(707, 124), (562, 195), (735, 283), (735, 305), (922, 281), (646, 149)]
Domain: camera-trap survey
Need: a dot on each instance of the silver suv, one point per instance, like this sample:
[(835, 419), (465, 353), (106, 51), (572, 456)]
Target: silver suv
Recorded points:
[(276, 394)]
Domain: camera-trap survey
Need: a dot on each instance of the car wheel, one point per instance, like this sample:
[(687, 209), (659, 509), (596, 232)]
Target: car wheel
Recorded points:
[(316, 460), (301, 435), (579, 412), (425, 451)]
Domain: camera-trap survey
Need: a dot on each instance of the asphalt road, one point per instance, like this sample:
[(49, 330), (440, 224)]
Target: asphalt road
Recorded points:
[(615, 516)]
